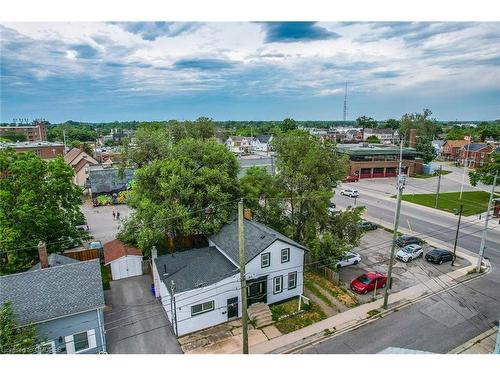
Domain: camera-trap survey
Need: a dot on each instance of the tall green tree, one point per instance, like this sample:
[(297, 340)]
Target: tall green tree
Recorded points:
[(191, 191), (372, 139), (151, 141), (425, 148), (83, 146), (392, 124), (425, 126), (487, 173), (38, 202), (366, 122), (288, 124), (13, 136), (15, 339), (308, 171)]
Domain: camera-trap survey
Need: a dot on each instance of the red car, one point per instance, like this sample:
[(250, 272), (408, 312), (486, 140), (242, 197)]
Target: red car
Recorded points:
[(351, 179), (366, 282)]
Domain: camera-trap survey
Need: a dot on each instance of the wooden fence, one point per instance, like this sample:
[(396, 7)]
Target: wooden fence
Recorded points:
[(312, 265), (83, 254)]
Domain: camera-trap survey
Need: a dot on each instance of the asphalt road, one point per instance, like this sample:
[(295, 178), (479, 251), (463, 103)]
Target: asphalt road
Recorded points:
[(439, 323)]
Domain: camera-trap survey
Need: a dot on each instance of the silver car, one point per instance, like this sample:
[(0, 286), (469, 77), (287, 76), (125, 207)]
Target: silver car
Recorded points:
[(409, 252)]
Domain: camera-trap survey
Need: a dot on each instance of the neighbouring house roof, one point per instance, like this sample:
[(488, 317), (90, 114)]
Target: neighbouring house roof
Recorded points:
[(264, 138), (78, 159), (456, 143), (356, 150), (474, 147), (116, 249), (71, 155), (380, 131), (53, 292), (56, 260), (107, 180), (257, 238), (238, 138), (191, 269)]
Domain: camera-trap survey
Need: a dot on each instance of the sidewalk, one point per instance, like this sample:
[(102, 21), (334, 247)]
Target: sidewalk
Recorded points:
[(482, 344), (351, 318)]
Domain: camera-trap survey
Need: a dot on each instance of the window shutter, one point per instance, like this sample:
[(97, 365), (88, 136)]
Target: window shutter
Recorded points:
[(70, 345), (91, 338)]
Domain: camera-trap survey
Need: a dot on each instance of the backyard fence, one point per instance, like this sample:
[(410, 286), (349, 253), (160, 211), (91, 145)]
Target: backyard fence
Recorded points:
[(82, 254), (313, 265)]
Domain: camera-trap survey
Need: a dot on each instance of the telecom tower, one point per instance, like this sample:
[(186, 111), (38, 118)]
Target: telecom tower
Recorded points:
[(345, 103)]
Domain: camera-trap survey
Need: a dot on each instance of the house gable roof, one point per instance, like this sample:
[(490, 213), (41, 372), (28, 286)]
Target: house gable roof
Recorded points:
[(53, 292), (455, 143), (191, 269), (71, 155), (258, 237), (264, 138), (116, 249), (475, 147)]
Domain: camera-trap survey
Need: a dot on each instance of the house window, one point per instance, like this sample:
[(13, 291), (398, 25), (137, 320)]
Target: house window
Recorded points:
[(278, 284), (285, 255), (202, 308), (265, 260), (81, 341), (292, 280)]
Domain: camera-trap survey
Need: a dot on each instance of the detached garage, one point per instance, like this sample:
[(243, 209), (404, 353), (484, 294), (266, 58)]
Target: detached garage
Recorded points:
[(125, 261)]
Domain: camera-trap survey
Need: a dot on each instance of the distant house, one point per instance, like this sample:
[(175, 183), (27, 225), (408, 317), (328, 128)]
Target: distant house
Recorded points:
[(108, 180), (438, 146), (384, 135), (451, 149), (125, 261), (79, 161), (239, 145), (475, 155), (200, 288), (262, 143), (64, 299)]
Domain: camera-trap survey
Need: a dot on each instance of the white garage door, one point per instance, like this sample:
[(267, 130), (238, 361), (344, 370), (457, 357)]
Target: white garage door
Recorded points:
[(126, 267)]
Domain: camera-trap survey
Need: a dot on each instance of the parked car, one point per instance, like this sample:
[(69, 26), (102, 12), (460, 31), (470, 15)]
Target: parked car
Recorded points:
[(352, 193), (404, 240), (352, 178), (409, 252), (366, 282), (367, 225), (439, 256), (348, 259)]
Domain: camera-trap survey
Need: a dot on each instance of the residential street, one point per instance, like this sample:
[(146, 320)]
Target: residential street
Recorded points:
[(439, 323), (137, 323)]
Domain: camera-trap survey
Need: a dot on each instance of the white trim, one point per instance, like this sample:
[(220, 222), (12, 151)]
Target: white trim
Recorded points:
[(70, 346), (62, 316), (123, 256)]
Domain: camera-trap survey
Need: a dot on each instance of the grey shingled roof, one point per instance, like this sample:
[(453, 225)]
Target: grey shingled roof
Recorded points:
[(475, 146), (257, 238), (194, 268), (264, 138), (56, 260), (53, 292)]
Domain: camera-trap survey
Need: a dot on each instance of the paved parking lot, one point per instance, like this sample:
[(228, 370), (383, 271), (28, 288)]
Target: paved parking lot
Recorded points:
[(375, 250), (100, 220)]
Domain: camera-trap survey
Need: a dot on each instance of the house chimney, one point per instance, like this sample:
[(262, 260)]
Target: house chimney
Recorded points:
[(247, 213), (412, 142), (42, 255)]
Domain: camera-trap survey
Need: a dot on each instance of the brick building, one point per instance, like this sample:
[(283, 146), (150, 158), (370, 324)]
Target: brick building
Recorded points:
[(475, 155), (451, 149), (46, 150), (367, 161), (37, 131)]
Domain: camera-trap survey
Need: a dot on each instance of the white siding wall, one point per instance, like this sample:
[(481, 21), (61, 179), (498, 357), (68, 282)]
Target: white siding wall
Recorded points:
[(296, 263), (132, 263)]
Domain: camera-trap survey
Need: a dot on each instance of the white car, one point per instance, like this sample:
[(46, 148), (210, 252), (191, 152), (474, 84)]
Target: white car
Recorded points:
[(349, 193), (349, 259), (409, 252)]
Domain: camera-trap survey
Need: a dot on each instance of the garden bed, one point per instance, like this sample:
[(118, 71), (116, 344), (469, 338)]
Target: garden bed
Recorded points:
[(287, 319), (339, 293)]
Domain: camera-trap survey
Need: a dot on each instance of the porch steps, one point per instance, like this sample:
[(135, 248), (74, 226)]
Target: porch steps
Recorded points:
[(260, 314)]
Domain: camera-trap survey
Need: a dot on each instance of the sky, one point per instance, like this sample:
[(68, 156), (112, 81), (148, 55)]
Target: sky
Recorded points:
[(118, 71)]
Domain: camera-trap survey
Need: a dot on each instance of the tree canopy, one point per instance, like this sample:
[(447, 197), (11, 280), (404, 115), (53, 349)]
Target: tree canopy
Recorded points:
[(425, 148), (15, 339), (366, 122), (487, 173), (38, 202), (13, 136), (372, 139), (425, 126)]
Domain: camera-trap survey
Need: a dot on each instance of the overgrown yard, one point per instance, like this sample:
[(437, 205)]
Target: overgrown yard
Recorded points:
[(475, 202), (106, 276), (312, 314), (312, 281), (443, 173)]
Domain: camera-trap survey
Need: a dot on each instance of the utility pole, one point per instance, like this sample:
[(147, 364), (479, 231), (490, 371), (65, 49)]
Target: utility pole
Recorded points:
[(64, 141), (400, 188), (456, 234), (243, 280), (485, 230), (439, 185), (173, 306), (465, 168)]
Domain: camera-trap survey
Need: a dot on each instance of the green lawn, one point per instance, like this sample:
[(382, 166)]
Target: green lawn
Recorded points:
[(106, 276), (475, 202), (443, 173), (312, 314)]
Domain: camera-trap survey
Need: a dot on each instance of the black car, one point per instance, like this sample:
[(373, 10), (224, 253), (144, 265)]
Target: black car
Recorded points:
[(439, 256), (367, 225), (404, 240)]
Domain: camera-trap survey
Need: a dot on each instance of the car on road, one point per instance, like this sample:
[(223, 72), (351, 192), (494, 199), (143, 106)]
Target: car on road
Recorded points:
[(352, 178), (352, 193), (349, 258), (367, 282), (367, 225), (404, 240), (409, 252), (439, 256)]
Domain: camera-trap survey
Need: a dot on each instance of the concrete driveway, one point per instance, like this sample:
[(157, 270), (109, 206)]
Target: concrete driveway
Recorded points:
[(135, 321)]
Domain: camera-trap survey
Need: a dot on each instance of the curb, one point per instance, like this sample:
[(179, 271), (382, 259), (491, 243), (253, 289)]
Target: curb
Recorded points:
[(313, 339), (469, 344)]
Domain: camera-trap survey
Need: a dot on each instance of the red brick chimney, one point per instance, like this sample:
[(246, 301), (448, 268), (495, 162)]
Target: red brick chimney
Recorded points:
[(247, 213), (42, 255), (412, 142)]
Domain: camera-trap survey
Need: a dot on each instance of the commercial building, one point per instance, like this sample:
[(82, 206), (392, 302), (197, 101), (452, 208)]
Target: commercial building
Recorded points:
[(35, 132), (46, 150), (383, 135), (368, 161)]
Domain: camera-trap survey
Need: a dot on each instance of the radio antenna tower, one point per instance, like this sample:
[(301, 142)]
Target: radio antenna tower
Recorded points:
[(345, 103)]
